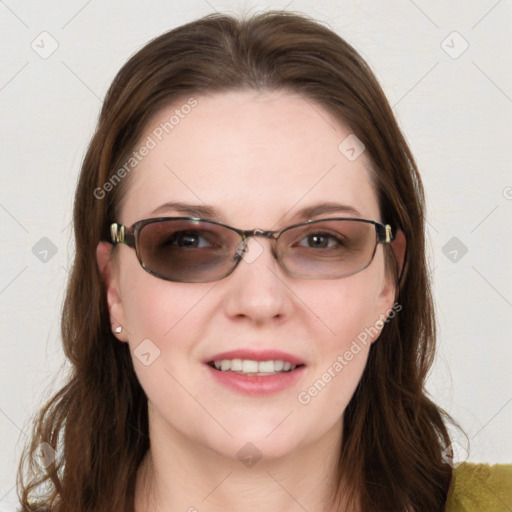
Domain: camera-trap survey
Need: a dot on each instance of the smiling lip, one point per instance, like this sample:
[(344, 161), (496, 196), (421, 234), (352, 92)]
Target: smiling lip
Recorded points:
[(256, 355), (256, 385)]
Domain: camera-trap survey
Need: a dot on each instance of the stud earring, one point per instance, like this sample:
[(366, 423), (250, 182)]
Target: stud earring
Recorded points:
[(118, 329)]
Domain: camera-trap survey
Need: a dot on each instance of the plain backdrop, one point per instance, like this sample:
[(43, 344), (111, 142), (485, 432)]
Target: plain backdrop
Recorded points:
[(446, 68)]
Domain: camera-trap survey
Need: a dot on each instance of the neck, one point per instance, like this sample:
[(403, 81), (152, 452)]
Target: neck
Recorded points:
[(178, 474)]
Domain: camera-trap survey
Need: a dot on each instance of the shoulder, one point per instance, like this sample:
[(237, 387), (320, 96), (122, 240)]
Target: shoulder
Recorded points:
[(480, 488)]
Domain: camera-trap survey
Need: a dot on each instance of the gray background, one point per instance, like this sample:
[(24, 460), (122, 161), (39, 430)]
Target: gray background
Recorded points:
[(446, 69)]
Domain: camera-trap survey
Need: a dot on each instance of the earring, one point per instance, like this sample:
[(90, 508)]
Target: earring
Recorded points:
[(118, 329)]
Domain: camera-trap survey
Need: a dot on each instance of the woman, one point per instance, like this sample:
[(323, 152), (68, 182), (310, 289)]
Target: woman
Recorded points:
[(249, 318)]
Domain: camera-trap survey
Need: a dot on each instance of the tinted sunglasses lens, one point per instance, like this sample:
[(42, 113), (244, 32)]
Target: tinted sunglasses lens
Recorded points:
[(189, 251), (329, 249)]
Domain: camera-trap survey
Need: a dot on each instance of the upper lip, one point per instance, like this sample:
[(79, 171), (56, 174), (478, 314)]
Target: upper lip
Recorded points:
[(257, 355)]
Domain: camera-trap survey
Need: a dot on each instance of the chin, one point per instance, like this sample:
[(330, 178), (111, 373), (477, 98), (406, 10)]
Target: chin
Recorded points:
[(254, 442)]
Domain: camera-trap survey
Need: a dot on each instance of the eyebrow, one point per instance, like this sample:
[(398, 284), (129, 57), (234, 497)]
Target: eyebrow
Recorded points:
[(323, 208), (206, 211), (190, 210)]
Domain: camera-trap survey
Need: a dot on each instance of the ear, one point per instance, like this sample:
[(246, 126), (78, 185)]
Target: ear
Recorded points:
[(389, 292), (110, 278), (398, 246)]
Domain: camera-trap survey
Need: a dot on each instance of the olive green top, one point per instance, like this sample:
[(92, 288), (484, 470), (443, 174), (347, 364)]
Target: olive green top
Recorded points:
[(480, 488)]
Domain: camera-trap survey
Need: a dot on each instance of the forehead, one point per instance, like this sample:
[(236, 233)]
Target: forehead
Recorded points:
[(255, 157)]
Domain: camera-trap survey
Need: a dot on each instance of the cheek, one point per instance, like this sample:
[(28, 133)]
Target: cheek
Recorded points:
[(164, 321), (349, 312), (349, 306), (153, 307)]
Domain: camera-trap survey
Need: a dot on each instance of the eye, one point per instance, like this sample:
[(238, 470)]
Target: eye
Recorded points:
[(189, 240), (320, 241)]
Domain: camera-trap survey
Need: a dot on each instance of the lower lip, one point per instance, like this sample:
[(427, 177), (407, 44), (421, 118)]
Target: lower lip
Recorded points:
[(257, 385)]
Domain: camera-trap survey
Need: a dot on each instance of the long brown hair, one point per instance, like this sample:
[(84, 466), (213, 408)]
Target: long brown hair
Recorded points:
[(393, 434)]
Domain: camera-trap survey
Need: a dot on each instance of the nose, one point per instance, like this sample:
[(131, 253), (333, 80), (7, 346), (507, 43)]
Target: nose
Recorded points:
[(256, 288)]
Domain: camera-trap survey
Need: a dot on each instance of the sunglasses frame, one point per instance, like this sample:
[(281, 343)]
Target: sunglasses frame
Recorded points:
[(121, 234)]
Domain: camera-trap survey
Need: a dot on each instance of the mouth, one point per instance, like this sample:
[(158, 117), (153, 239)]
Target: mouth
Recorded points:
[(252, 367), (255, 372)]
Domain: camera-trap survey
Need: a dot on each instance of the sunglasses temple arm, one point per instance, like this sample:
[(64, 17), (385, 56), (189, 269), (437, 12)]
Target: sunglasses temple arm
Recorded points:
[(120, 235), (389, 234)]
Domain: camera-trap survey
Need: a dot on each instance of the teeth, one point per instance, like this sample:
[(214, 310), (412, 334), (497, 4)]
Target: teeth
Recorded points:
[(266, 366), (248, 366), (236, 365)]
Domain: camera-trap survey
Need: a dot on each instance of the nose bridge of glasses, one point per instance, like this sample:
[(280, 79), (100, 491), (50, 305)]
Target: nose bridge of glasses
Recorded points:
[(257, 249), (254, 233), (247, 233)]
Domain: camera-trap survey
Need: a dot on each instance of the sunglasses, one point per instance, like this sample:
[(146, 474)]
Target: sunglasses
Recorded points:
[(194, 250)]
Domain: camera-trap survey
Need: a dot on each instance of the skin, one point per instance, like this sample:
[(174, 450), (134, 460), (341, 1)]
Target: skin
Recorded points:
[(256, 158)]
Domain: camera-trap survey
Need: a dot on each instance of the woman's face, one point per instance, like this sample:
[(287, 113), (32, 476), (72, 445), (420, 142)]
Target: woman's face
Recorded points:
[(250, 160)]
